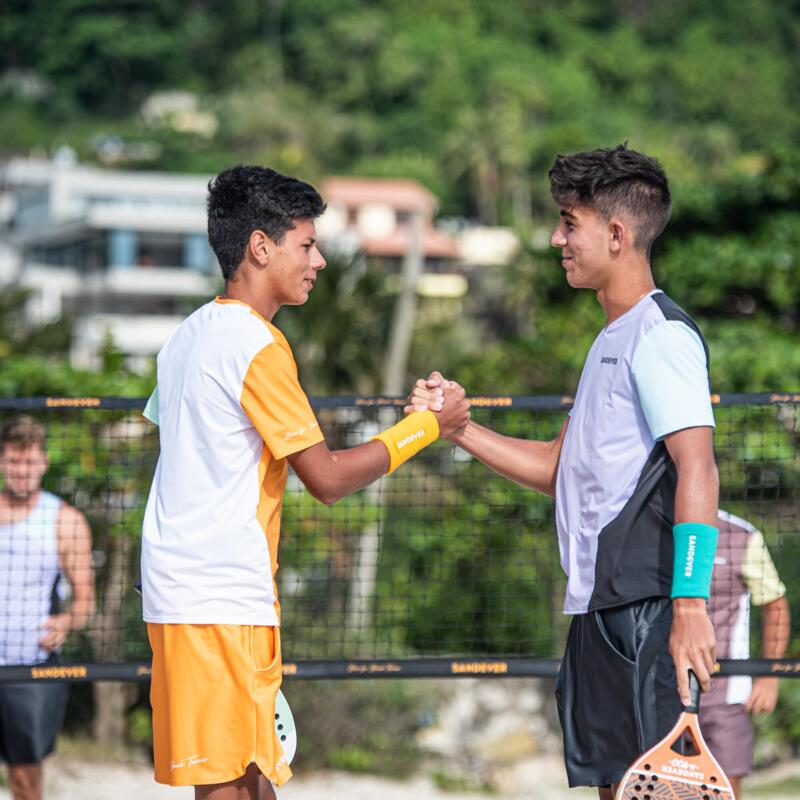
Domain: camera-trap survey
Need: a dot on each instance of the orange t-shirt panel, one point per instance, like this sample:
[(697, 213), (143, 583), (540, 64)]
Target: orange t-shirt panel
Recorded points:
[(281, 413), (275, 402)]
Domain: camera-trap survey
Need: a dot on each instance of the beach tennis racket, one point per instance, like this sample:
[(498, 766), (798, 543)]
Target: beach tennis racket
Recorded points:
[(284, 727), (662, 773)]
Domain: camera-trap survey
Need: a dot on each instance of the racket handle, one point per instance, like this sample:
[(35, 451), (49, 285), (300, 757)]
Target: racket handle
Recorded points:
[(694, 694)]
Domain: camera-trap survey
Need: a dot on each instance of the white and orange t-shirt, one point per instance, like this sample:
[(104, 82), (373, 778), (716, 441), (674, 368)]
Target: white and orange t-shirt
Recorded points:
[(230, 410)]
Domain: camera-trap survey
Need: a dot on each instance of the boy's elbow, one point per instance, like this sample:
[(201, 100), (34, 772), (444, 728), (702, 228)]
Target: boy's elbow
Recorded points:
[(329, 499), (325, 494)]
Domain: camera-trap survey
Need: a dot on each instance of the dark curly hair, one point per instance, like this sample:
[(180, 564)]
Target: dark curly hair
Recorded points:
[(244, 199), (613, 181)]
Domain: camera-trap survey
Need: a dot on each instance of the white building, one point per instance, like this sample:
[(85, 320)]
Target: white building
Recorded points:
[(124, 253)]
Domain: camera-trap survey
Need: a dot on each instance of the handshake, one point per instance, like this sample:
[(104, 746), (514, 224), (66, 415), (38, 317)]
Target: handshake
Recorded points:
[(446, 399)]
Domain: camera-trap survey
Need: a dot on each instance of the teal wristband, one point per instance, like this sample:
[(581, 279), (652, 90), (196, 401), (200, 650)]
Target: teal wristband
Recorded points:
[(695, 546)]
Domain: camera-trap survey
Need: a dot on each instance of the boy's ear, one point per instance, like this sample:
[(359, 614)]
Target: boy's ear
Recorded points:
[(260, 246), (618, 234)]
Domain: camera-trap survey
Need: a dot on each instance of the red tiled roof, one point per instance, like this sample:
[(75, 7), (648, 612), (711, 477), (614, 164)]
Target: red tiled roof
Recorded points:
[(402, 194)]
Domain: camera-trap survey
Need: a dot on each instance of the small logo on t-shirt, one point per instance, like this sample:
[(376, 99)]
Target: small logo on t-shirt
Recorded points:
[(608, 360), (189, 761), (292, 434)]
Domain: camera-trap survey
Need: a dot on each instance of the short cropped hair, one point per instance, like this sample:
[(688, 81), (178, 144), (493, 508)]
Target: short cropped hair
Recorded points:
[(244, 199), (23, 431), (615, 181)]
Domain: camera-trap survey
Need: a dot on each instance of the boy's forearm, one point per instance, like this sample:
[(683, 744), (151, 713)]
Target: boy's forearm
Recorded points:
[(530, 463), (81, 611), (776, 628), (330, 475)]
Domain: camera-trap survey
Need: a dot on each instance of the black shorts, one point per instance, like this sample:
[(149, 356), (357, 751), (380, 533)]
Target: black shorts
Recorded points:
[(30, 718), (617, 693)]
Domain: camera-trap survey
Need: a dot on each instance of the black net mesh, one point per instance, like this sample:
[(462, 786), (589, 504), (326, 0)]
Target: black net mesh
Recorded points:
[(442, 558)]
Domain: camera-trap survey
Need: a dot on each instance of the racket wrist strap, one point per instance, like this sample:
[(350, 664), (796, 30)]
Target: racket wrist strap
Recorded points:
[(408, 437), (695, 546)]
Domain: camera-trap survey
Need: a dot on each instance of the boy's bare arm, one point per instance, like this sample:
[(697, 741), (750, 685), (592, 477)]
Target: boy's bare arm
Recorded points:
[(330, 475), (530, 463)]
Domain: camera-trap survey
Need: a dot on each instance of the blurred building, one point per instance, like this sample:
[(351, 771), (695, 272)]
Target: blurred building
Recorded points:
[(124, 253), (376, 213), (374, 216)]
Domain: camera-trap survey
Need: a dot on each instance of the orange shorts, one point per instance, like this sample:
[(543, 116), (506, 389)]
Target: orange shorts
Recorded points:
[(213, 691)]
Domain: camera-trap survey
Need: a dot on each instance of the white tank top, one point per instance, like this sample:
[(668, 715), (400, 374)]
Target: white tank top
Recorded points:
[(29, 569)]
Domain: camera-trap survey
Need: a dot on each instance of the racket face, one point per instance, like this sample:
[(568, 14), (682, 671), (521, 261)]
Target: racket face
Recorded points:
[(284, 726), (663, 774)]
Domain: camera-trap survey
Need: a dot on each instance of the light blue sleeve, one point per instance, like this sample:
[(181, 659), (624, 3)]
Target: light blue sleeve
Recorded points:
[(671, 375), (151, 407)]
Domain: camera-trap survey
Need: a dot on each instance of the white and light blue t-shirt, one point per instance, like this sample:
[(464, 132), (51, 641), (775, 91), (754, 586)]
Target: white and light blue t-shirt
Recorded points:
[(645, 376)]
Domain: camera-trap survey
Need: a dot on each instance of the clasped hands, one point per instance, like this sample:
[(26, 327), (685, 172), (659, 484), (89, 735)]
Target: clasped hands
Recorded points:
[(447, 399)]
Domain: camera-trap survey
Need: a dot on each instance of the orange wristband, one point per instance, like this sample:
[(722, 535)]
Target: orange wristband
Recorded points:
[(409, 436)]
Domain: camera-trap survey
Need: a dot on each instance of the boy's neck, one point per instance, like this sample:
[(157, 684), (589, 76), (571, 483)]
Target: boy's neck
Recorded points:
[(625, 290), (240, 289)]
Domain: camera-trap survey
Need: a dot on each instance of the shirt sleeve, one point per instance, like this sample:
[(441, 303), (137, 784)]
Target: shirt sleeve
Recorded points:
[(277, 405), (151, 407), (671, 375), (759, 573)]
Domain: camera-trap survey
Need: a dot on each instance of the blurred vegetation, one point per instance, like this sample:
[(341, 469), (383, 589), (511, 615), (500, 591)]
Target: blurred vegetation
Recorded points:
[(474, 99), (364, 726)]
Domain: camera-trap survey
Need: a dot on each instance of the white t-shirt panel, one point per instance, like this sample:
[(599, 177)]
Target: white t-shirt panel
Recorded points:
[(205, 556)]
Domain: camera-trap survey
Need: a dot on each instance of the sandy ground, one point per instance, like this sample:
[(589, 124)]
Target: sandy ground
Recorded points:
[(70, 779), (82, 780)]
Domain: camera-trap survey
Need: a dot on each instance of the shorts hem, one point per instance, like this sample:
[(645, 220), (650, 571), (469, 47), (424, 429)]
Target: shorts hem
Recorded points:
[(270, 775), (274, 775), (575, 781), (14, 762), (207, 781)]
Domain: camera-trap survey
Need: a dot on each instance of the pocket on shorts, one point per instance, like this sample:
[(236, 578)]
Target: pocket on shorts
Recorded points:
[(266, 647), (602, 628)]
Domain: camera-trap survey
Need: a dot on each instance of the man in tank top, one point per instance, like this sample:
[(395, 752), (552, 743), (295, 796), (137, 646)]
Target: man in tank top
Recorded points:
[(42, 538)]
